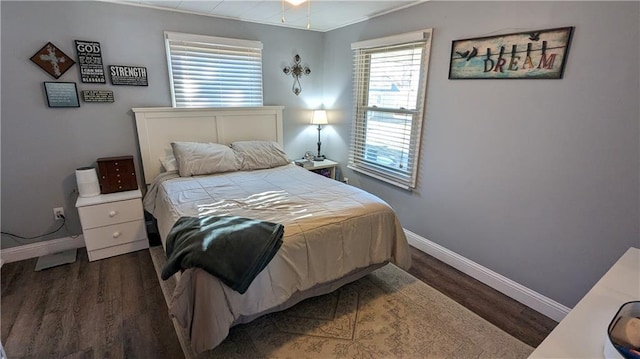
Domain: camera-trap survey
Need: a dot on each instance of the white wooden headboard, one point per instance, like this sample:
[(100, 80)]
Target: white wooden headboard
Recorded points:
[(159, 126)]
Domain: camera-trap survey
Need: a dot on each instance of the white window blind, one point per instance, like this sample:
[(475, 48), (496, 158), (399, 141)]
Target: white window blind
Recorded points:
[(389, 84), (207, 71)]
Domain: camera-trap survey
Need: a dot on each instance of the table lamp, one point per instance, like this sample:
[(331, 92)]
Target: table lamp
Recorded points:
[(319, 118)]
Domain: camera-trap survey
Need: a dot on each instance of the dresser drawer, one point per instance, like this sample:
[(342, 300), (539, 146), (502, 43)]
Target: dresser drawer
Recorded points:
[(108, 236), (117, 250), (110, 213)]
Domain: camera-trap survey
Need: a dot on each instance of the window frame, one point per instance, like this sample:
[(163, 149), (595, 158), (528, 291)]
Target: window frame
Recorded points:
[(358, 151), (210, 41)]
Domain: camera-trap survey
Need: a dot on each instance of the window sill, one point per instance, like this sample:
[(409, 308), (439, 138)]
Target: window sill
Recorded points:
[(383, 179)]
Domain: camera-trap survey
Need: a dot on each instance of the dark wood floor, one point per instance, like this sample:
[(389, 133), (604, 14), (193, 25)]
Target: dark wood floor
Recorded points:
[(114, 308), (505, 313)]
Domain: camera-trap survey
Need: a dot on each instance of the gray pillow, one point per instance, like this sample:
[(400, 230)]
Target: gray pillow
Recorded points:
[(196, 158), (169, 163), (255, 155)]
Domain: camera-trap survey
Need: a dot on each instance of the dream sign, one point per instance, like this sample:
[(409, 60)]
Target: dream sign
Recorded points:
[(539, 54)]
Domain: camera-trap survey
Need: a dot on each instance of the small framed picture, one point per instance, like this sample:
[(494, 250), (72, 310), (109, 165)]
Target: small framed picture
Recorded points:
[(128, 75), (61, 94), (52, 60), (90, 61)]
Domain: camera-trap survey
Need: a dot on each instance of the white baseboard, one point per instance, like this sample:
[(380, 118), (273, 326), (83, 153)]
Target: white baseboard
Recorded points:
[(39, 249), (522, 294)]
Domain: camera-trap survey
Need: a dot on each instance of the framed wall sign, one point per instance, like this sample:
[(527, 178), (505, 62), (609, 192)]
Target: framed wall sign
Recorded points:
[(89, 56), (128, 75), (61, 94), (52, 60), (539, 54), (97, 96)]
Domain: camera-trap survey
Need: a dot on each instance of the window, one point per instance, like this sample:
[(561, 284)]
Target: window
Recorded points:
[(389, 83), (207, 71)]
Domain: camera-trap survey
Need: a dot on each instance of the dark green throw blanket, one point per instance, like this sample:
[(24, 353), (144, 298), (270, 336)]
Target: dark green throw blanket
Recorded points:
[(234, 249)]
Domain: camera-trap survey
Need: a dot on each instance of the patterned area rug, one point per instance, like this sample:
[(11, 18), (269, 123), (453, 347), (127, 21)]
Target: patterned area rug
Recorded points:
[(387, 314)]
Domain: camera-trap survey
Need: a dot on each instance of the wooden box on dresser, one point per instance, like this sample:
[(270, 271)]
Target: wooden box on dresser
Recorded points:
[(112, 224), (117, 174)]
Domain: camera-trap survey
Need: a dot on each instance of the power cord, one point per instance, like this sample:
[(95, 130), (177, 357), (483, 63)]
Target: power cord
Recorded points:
[(64, 221)]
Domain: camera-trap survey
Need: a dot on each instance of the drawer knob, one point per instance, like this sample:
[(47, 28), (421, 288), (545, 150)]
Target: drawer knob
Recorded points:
[(113, 213), (116, 234)]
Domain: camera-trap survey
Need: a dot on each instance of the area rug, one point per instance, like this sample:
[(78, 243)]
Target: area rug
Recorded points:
[(386, 314)]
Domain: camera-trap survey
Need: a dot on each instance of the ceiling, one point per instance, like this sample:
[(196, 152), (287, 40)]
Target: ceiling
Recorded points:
[(324, 15)]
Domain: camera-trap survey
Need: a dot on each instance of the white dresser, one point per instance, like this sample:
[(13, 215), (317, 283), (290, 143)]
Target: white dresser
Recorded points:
[(112, 224), (583, 332)]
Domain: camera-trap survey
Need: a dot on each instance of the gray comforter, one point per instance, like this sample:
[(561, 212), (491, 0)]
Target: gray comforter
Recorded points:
[(333, 230)]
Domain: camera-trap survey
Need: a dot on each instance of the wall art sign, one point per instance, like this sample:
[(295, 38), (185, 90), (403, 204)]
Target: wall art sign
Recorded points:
[(61, 94), (540, 54), (89, 56), (128, 75), (97, 96), (52, 60)]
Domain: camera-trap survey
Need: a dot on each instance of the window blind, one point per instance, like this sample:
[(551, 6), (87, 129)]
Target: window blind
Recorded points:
[(207, 71), (389, 85)]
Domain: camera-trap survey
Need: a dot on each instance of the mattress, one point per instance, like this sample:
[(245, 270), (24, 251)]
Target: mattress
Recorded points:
[(332, 230)]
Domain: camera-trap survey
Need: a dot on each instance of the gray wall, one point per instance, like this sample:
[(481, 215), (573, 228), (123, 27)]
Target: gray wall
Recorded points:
[(534, 179), (42, 147)]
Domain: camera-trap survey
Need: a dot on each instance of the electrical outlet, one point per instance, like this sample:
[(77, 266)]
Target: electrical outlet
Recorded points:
[(58, 213)]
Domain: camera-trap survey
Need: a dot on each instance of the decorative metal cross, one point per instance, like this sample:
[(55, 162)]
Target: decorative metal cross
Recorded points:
[(296, 70)]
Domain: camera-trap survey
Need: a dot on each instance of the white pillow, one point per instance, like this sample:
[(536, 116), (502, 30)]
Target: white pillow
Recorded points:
[(169, 163), (195, 158), (254, 155)]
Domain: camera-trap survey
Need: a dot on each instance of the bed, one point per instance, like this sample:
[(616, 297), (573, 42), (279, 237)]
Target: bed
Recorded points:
[(334, 233)]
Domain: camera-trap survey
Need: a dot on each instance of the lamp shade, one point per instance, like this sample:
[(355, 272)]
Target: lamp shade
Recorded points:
[(319, 117)]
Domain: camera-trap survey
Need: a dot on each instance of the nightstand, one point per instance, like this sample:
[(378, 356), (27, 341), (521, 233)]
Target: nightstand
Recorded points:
[(326, 168), (112, 224)]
